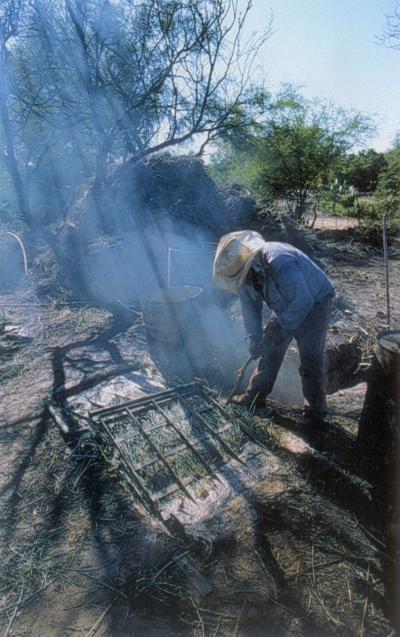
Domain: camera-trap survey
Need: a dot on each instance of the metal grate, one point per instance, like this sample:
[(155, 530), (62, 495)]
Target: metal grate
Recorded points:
[(162, 444)]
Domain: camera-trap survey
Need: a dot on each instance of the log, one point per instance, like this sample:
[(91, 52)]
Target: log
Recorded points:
[(58, 416)]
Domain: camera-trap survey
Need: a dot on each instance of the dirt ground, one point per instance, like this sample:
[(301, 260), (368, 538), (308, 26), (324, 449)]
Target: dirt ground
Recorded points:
[(288, 546)]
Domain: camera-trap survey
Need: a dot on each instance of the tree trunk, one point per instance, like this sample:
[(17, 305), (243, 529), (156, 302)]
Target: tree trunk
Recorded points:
[(9, 158)]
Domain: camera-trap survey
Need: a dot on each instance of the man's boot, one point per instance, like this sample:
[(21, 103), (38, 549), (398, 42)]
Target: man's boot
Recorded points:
[(312, 418), (249, 400)]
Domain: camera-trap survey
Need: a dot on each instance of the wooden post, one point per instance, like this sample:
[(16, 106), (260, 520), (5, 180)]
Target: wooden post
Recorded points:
[(386, 259)]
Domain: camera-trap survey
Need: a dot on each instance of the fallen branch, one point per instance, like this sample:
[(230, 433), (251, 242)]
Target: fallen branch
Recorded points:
[(93, 630), (10, 623)]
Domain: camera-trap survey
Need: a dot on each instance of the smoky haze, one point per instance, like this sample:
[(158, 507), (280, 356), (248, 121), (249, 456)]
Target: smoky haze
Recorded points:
[(91, 93), (88, 83)]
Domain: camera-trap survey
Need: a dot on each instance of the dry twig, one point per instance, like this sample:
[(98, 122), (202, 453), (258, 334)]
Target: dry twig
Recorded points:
[(10, 623), (93, 630)]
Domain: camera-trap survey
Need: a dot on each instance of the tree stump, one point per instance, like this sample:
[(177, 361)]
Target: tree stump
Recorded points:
[(379, 442)]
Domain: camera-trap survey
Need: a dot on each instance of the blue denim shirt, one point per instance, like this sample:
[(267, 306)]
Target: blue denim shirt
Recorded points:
[(289, 283)]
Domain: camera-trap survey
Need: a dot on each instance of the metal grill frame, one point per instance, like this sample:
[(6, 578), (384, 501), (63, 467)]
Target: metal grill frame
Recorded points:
[(132, 410)]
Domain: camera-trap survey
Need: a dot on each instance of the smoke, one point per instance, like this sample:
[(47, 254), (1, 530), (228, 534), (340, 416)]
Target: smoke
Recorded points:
[(13, 262), (87, 88), (198, 337), (125, 267)]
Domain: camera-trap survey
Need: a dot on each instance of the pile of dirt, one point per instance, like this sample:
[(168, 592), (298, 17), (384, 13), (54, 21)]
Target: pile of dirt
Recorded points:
[(180, 189), (274, 222), (116, 241)]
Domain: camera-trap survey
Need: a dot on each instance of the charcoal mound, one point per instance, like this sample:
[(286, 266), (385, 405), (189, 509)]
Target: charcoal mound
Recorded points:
[(121, 236), (180, 189)]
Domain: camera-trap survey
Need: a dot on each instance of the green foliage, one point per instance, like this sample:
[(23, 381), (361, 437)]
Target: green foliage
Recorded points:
[(235, 165), (388, 190), (347, 201), (362, 170), (386, 200), (336, 201), (370, 215), (295, 147)]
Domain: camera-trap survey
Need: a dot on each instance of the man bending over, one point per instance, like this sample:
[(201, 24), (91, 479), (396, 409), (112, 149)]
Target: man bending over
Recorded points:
[(300, 295)]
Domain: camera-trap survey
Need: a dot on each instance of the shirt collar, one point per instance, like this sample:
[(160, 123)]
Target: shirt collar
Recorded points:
[(257, 263)]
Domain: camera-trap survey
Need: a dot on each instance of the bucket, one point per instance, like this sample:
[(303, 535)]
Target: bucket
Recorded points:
[(169, 312)]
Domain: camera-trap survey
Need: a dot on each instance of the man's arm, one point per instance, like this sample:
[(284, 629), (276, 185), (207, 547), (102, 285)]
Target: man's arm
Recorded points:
[(291, 285), (252, 311)]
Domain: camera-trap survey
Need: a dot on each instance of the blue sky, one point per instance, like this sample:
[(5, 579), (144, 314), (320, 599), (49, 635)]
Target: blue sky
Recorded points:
[(329, 48)]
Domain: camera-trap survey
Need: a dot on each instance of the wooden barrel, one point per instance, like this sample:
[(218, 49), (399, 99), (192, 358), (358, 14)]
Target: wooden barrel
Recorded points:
[(379, 444), (380, 419)]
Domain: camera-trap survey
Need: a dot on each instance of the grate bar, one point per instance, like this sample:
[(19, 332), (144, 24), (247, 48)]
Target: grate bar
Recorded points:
[(184, 438), (160, 455), (172, 488), (149, 463), (245, 430), (135, 480), (213, 432), (142, 403), (136, 423), (150, 430), (178, 449)]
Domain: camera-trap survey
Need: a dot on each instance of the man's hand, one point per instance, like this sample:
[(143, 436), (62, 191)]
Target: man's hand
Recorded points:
[(255, 346), (273, 330)]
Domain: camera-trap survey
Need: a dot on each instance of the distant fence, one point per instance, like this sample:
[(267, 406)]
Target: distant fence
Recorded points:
[(324, 219), (330, 222)]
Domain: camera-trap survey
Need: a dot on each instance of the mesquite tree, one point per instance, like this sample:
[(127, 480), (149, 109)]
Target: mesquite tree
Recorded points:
[(391, 34), (86, 82)]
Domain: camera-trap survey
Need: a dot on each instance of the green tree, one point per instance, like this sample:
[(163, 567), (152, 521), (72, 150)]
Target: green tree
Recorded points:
[(388, 190), (362, 170), (295, 147), (386, 199)]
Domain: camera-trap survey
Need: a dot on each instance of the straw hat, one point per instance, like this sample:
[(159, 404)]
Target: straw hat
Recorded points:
[(233, 259)]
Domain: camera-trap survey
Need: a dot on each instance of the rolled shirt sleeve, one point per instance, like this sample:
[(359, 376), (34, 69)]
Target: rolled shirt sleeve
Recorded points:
[(290, 282), (252, 311)]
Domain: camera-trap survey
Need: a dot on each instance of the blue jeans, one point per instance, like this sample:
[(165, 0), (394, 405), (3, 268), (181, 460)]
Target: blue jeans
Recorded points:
[(310, 338)]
